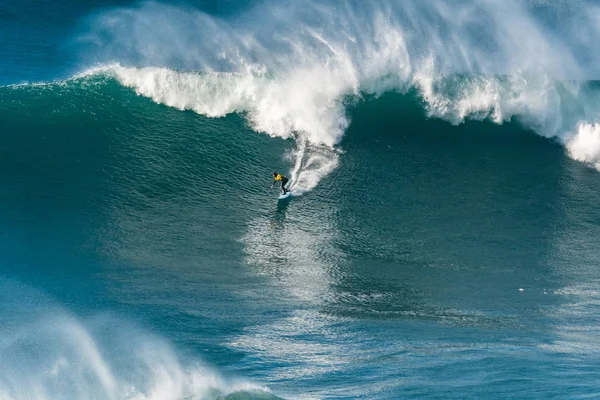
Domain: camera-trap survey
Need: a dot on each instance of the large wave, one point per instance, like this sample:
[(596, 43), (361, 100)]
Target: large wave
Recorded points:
[(294, 68)]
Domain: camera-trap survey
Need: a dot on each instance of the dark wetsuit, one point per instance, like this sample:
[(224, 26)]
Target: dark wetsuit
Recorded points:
[(283, 180)]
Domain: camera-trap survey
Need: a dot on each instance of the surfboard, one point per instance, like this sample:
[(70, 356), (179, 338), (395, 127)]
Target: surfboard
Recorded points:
[(284, 196)]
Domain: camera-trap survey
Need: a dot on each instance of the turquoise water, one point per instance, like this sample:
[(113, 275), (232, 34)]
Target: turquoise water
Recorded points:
[(442, 240)]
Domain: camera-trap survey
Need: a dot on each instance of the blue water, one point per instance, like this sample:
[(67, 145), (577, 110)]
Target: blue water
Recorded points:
[(441, 242)]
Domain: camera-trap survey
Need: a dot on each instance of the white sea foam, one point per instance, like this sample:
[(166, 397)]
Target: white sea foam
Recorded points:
[(292, 68), (584, 146)]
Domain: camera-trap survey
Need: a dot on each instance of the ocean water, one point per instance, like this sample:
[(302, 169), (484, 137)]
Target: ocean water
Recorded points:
[(442, 241)]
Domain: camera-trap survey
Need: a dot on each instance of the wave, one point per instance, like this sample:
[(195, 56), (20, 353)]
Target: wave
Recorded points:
[(49, 354), (296, 68), (565, 110)]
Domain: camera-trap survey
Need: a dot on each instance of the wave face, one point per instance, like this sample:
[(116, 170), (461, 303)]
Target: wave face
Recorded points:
[(294, 68)]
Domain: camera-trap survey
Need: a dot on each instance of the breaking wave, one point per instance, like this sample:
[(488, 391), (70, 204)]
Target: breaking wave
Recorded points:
[(294, 68)]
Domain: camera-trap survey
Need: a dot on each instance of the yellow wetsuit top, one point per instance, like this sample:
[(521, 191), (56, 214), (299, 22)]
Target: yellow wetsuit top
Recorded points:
[(279, 177)]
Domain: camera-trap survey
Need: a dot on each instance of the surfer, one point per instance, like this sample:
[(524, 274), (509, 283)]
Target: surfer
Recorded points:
[(280, 178)]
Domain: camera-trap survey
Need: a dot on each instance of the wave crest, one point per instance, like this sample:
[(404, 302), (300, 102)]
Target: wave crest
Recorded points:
[(280, 108)]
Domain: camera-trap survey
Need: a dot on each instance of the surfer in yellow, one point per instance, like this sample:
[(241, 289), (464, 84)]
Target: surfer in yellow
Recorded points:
[(280, 178)]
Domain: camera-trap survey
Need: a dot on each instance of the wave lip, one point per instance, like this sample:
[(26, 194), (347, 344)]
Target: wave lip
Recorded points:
[(279, 107)]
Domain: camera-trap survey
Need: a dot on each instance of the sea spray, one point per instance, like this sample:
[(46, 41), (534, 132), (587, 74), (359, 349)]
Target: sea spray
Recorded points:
[(47, 353), (311, 164), (584, 145)]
